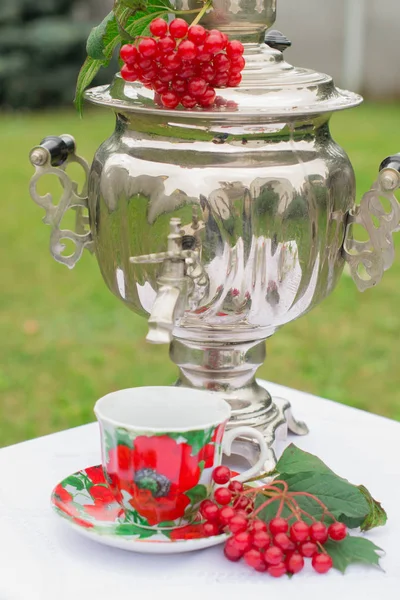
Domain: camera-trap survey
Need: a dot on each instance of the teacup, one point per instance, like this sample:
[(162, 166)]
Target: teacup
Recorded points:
[(160, 446)]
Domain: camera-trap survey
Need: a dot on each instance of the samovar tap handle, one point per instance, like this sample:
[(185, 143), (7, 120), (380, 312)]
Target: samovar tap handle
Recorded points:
[(51, 157), (369, 259), (183, 282)]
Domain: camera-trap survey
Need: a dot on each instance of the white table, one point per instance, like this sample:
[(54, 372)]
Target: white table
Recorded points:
[(41, 559)]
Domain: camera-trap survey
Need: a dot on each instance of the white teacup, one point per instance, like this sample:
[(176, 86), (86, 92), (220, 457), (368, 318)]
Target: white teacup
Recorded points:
[(160, 446)]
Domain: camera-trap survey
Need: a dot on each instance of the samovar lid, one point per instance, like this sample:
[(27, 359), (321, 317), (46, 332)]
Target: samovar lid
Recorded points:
[(270, 88)]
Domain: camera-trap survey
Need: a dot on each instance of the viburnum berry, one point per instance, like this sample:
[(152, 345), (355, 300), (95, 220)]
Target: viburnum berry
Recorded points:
[(129, 74), (203, 56), (308, 549), (241, 503), (158, 27), (187, 50), (258, 525), (294, 563), (243, 540), (337, 531), (171, 61), (196, 87), (128, 54), (222, 63), (318, 532), (236, 486), (197, 34), (232, 551), (178, 52), (166, 44), (188, 101), (148, 47), (210, 529), (283, 541), (322, 563), (226, 513), (221, 475), (223, 496), (277, 570), (209, 510), (213, 44), (299, 531), (178, 28), (255, 559), (161, 87), (273, 555), (234, 48), (170, 99), (237, 524), (165, 75), (278, 525), (261, 540)]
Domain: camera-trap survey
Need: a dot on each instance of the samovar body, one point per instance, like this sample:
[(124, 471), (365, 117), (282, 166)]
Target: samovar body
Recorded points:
[(222, 225)]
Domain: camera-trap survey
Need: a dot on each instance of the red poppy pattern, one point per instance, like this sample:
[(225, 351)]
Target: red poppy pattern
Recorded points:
[(156, 472), (146, 481)]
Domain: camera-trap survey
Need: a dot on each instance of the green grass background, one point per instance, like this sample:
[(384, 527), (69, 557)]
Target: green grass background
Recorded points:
[(65, 340)]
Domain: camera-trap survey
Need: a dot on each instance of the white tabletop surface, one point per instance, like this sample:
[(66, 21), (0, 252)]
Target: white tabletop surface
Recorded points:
[(42, 559)]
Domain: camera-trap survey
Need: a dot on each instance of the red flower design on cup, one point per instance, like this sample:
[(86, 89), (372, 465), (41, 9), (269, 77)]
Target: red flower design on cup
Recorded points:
[(156, 472)]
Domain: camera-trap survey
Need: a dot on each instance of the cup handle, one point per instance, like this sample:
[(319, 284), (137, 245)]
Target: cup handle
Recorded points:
[(266, 454)]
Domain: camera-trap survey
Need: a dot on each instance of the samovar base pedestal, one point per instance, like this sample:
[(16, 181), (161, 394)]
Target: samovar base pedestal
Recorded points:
[(229, 369)]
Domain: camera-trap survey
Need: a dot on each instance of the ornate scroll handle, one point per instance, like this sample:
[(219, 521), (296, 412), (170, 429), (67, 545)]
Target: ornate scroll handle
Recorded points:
[(52, 157), (377, 254)]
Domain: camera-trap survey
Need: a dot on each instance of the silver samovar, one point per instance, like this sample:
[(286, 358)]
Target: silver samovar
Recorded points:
[(222, 225)]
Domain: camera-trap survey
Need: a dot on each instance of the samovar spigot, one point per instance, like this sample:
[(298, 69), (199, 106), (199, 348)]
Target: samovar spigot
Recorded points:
[(182, 284)]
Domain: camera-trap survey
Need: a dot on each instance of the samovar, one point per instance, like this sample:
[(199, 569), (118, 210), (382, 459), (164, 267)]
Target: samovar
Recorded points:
[(222, 225)]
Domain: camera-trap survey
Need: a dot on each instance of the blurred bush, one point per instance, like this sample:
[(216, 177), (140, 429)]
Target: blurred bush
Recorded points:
[(42, 48)]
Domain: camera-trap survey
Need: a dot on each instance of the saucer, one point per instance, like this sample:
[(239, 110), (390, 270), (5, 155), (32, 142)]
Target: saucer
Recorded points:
[(85, 502)]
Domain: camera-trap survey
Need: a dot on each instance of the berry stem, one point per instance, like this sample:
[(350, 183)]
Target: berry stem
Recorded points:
[(206, 7), (307, 495)]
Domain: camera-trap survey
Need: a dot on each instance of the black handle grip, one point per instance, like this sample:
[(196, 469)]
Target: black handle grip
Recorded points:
[(391, 162), (59, 147), (276, 40)]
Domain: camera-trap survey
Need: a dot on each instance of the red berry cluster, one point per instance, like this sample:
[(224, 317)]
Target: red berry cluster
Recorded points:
[(183, 64), (277, 547)]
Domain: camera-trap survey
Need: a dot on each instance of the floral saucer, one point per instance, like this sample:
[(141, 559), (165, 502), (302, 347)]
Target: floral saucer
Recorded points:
[(87, 505)]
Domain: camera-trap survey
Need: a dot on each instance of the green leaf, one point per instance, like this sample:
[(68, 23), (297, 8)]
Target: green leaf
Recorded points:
[(132, 529), (294, 460), (101, 36), (88, 72), (377, 516), (74, 481), (196, 439), (353, 550), (197, 494), (134, 4), (340, 497)]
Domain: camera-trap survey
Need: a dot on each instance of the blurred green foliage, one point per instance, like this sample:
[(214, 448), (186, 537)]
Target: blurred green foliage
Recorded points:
[(66, 340), (41, 50)]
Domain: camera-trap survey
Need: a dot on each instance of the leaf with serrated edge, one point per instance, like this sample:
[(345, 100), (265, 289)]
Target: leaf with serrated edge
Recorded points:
[(294, 461), (339, 496), (353, 550), (97, 40)]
